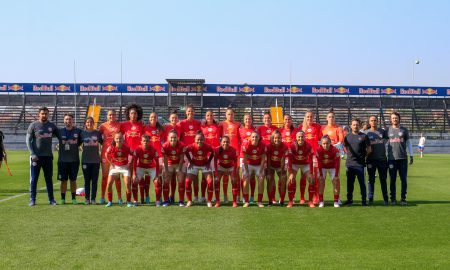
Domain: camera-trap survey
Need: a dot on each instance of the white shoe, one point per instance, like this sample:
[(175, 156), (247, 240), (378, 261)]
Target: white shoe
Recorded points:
[(209, 204), (195, 199), (189, 204), (225, 199), (260, 204), (339, 202), (321, 205), (202, 199), (336, 204), (157, 203), (245, 205)]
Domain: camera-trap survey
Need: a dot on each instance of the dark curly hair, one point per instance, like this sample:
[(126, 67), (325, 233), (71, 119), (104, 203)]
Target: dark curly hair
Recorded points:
[(135, 107)]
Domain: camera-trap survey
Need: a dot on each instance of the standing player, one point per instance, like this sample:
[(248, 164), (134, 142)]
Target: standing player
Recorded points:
[(287, 131), (328, 161), (421, 145), (397, 146), (300, 159), (108, 129), (199, 156), (254, 161), (377, 160), (91, 140), (226, 156), (172, 125), (189, 128), (230, 128), (357, 146), (245, 133), (39, 143), (146, 161), (210, 130), (118, 155), (313, 133), (277, 152), (173, 152), (132, 131)]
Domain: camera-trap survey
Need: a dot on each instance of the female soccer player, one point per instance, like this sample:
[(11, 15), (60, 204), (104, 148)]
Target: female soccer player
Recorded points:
[(146, 161), (199, 156), (300, 159), (287, 131), (172, 125), (313, 133), (254, 164), (328, 160), (91, 140), (173, 152), (230, 128), (276, 156), (118, 155), (210, 130), (155, 131), (245, 133), (132, 131), (226, 156), (107, 130)]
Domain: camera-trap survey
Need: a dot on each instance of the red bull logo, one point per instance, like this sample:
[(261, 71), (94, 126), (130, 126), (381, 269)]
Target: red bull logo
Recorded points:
[(15, 87), (137, 88), (157, 88), (429, 91), (90, 88), (43, 87), (227, 89), (295, 89), (389, 91), (341, 90), (322, 90), (369, 91), (200, 88), (62, 88), (109, 88), (247, 89), (274, 89)]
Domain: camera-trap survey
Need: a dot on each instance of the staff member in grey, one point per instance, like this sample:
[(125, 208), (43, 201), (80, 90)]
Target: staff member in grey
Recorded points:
[(69, 157), (90, 159), (397, 146), (39, 143)]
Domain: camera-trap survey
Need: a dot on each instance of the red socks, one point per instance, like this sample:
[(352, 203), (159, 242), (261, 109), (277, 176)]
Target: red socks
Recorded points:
[(188, 189), (302, 187), (181, 190)]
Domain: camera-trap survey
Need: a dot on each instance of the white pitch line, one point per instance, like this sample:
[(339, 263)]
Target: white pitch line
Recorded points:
[(27, 193)]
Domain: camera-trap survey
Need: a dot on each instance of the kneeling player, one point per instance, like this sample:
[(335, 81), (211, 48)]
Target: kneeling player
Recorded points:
[(145, 160), (225, 156), (328, 158), (118, 156)]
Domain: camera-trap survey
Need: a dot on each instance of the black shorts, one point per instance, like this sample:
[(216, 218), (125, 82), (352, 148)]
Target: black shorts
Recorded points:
[(68, 171)]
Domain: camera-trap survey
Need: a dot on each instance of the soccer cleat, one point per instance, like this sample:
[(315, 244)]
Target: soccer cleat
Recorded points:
[(93, 202), (147, 200), (321, 204), (135, 204), (189, 204), (120, 202), (386, 203), (393, 202), (348, 202), (87, 202), (32, 203), (171, 199), (217, 205), (251, 200), (202, 199), (62, 201), (165, 204), (274, 202), (403, 202), (129, 204), (142, 201), (260, 204), (109, 204), (195, 199), (290, 204), (311, 204), (52, 202), (102, 201), (235, 204), (302, 201), (336, 204), (363, 203), (209, 204), (225, 199), (157, 203), (245, 205)]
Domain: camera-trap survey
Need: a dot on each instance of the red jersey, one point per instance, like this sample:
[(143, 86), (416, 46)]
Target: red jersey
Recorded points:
[(300, 155), (275, 154), (254, 153), (168, 128), (199, 155), (225, 158), (287, 136), (336, 133), (156, 137), (244, 135), (328, 159), (313, 134), (212, 134), (118, 156), (231, 129), (188, 130), (108, 129), (132, 133), (173, 153), (145, 158), (266, 132)]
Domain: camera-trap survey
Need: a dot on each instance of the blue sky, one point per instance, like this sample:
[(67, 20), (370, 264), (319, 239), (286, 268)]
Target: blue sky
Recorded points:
[(325, 42)]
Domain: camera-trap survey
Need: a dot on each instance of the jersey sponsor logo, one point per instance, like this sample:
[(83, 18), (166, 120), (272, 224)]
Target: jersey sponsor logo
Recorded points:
[(94, 138)]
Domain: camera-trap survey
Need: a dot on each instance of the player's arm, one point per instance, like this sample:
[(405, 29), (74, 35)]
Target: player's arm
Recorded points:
[(29, 141)]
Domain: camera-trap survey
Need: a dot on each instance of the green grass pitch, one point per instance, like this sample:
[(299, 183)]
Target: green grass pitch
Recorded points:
[(92, 237)]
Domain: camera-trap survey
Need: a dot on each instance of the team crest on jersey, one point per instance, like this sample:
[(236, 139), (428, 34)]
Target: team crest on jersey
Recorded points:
[(191, 127), (200, 152), (254, 151), (119, 154), (174, 152), (50, 129), (275, 153), (145, 156), (75, 136)]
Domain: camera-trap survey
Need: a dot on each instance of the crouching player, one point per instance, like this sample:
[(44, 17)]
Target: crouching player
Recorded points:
[(254, 165), (199, 156), (276, 155), (300, 159), (145, 160), (225, 156), (118, 155), (173, 152), (328, 159)]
